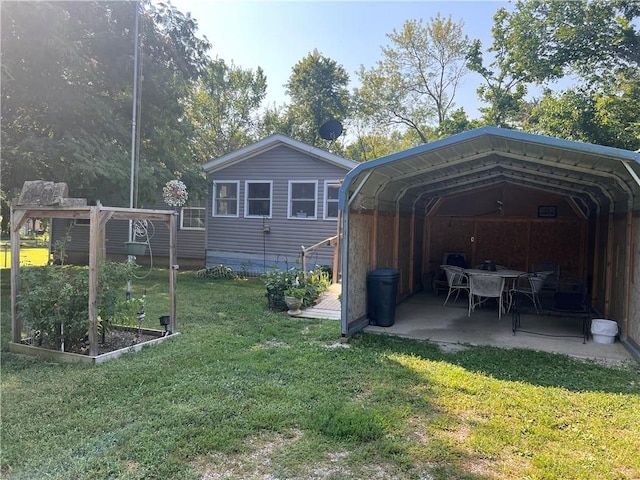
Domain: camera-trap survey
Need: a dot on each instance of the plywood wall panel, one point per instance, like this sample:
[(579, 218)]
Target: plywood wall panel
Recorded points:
[(360, 235), (385, 233)]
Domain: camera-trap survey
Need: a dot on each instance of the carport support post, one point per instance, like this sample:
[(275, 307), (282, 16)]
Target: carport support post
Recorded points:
[(627, 272), (344, 252), (596, 261), (609, 267), (396, 238)]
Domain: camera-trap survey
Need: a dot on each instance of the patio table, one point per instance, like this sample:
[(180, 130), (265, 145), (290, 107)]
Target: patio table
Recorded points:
[(508, 275), (501, 273)]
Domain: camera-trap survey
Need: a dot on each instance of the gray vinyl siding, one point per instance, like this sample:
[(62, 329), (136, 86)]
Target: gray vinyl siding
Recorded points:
[(244, 238), (190, 246)]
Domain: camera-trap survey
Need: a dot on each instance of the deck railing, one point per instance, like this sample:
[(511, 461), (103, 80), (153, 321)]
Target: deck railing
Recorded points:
[(328, 242)]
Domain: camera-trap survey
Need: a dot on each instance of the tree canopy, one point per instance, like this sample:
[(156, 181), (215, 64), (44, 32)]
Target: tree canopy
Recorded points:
[(595, 43), (223, 108), (318, 90), (67, 88), (415, 84), (67, 81)]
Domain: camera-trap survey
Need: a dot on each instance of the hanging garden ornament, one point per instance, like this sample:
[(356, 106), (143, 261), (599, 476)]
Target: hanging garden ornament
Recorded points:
[(175, 193)]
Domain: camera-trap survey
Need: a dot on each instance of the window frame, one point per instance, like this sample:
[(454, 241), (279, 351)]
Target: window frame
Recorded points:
[(246, 198), (197, 205), (327, 184), (290, 214), (214, 206)]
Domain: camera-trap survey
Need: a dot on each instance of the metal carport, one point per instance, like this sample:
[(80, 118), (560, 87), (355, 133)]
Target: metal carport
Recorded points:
[(395, 208)]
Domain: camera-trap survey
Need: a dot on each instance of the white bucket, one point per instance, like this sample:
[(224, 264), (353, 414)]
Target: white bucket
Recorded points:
[(604, 331)]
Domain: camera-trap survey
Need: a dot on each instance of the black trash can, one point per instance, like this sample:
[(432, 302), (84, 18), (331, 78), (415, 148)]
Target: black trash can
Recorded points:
[(382, 290)]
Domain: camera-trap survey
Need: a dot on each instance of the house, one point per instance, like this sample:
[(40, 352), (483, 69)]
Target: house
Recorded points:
[(270, 199), (500, 195)]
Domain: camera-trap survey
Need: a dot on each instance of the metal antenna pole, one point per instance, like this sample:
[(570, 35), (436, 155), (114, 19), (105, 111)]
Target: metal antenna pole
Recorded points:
[(134, 116)]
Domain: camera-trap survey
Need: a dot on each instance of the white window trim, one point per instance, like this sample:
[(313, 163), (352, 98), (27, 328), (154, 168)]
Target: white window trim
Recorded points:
[(246, 198), (182, 227), (291, 215), (328, 183), (214, 210)]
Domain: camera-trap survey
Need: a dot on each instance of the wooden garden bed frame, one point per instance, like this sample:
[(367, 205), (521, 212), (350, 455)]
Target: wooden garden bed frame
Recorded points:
[(98, 217)]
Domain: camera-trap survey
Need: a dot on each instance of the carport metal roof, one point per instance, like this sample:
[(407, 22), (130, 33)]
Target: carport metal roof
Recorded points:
[(598, 178)]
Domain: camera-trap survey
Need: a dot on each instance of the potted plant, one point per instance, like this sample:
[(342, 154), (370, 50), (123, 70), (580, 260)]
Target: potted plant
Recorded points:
[(293, 297)]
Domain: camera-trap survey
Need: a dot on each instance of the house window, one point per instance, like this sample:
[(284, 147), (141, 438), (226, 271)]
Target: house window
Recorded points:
[(225, 199), (331, 190), (257, 199), (192, 216), (302, 199)]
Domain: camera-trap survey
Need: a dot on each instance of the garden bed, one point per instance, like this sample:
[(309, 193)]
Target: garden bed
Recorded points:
[(117, 342)]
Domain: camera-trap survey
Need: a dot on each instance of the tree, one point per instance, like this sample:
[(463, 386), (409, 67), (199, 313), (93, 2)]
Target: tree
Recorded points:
[(455, 123), (605, 117), (318, 90), (505, 87), (416, 81), (372, 145), (67, 70), (223, 108), (596, 42), (592, 39)]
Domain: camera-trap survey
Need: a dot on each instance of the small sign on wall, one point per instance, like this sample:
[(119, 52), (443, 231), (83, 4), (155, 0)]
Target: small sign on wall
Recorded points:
[(547, 211)]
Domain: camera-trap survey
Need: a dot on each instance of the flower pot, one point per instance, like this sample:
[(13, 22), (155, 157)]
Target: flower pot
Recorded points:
[(136, 248), (294, 305)]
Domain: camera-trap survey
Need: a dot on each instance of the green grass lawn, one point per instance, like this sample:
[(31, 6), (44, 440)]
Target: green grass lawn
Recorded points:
[(248, 393)]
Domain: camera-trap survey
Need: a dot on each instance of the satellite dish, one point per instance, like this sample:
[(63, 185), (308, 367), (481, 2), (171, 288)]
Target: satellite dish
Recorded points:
[(331, 130)]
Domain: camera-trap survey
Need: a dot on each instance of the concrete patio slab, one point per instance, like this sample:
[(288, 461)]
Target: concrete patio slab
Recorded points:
[(423, 317)]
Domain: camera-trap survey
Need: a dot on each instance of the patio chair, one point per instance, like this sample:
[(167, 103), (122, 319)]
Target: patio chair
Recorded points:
[(529, 285), (457, 259), (552, 269), (483, 287), (457, 280)]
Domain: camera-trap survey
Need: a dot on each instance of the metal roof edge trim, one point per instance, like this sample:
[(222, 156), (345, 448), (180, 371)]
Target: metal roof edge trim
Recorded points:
[(601, 150), (273, 141)]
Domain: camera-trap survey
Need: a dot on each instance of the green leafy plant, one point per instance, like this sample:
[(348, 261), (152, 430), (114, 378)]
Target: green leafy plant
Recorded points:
[(54, 301), (217, 272), (129, 312), (294, 282), (297, 292)]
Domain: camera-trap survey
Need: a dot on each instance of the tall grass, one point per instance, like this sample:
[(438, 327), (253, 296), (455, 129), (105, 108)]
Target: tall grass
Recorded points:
[(248, 393)]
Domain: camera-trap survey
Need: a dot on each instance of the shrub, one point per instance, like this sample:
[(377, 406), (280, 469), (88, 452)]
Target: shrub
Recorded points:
[(218, 272), (279, 281), (54, 301)]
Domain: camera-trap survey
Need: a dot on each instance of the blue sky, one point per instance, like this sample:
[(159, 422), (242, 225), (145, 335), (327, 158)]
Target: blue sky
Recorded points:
[(276, 35)]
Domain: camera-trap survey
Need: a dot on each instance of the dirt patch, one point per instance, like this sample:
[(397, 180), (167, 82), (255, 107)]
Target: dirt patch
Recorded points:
[(263, 455), (115, 339)]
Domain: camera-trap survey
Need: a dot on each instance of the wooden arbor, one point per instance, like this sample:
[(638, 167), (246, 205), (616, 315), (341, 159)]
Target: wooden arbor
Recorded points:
[(98, 217)]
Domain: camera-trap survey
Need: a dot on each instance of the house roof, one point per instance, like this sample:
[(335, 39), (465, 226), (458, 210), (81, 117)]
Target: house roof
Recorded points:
[(596, 177), (273, 141)]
